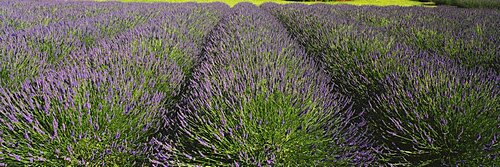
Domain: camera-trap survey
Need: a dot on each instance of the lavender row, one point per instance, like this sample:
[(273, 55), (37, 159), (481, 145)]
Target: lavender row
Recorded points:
[(429, 99), (438, 113), (80, 117), (107, 101), (467, 36), (257, 100), (34, 50), (179, 33), (357, 57), (20, 15)]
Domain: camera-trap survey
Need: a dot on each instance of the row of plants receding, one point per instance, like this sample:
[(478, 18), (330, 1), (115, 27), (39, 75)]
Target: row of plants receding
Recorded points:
[(37, 45), (426, 79), (93, 90), (205, 84), (258, 100)]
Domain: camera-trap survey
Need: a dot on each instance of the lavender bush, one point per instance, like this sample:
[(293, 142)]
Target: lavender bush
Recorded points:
[(257, 100), (79, 117), (422, 82), (357, 57), (439, 114), (99, 104)]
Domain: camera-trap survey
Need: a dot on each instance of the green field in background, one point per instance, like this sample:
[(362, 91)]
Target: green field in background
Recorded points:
[(258, 2)]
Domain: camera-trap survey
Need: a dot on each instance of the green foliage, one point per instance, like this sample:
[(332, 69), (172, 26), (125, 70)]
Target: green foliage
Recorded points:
[(440, 116), (53, 50), (18, 65), (160, 49), (471, 53), (88, 132), (266, 125)]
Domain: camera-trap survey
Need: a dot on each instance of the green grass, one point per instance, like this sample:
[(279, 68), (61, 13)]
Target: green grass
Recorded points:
[(258, 2)]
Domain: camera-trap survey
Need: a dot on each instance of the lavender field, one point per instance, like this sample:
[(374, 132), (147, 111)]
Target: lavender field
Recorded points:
[(193, 84)]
